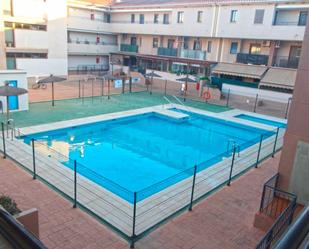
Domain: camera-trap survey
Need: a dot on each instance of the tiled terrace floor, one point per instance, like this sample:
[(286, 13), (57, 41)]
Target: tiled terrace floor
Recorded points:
[(224, 220)]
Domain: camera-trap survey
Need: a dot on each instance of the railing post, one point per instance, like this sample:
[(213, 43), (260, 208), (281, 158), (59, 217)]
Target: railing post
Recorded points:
[(228, 98), (134, 220), (165, 85), (287, 109), (262, 200), (79, 90), (75, 190), (232, 165), (259, 152), (33, 159), (275, 144), (255, 103), (3, 140), (130, 84), (193, 185)]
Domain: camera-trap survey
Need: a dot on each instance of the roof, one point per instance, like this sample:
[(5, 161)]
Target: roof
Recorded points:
[(279, 77), (242, 70), (138, 3)]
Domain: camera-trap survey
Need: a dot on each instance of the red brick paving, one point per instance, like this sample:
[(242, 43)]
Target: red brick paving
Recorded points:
[(224, 220)]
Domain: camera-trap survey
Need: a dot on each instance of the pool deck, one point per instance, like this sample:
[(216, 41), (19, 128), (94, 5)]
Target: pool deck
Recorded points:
[(222, 221)]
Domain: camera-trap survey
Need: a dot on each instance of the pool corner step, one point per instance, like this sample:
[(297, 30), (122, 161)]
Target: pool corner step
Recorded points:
[(176, 116)]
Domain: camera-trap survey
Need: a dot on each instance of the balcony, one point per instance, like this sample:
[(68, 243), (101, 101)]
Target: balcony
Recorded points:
[(285, 61), (129, 48), (91, 48), (168, 51), (255, 59), (193, 54)]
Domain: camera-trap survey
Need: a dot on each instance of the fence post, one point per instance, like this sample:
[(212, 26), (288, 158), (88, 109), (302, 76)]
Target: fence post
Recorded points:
[(79, 92), (165, 85), (232, 165), (134, 219), (3, 140), (259, 151), (228, 98), (33, 159), (275, 144), (255, 103), (287, 109), (130, 84), (193, 185), (75, 190)]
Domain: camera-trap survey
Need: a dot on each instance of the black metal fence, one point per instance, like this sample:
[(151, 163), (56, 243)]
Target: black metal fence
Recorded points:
[(279, 205), (134, 214)]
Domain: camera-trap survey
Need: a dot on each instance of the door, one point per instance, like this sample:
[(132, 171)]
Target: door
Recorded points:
[(294, 56), (13, 100), (133, 41)]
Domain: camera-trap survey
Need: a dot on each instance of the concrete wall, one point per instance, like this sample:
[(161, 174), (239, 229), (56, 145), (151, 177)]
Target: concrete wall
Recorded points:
[(21, 77), (79, 60)]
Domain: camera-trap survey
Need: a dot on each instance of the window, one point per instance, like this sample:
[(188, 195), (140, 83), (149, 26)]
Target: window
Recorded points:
[(166, 18), (7, 7), (156, 18), (255, 49), (107, 17), (97, 60), (133, 41), (197, 45), (234, 47), (186, 42), (155, 42), (209, 45), (199, 16), (27, 55), (141, 19), (180, 17), (259, 16), (25, 26), (234, 16), (302, 21), (92, 16), (132, 18), (170, 43)]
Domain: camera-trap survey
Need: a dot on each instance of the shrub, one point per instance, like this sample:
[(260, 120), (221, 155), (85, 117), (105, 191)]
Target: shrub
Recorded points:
[(9, 204)]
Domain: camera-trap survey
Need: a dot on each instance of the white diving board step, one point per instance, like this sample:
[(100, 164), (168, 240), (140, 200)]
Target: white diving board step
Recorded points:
[(177, 116)]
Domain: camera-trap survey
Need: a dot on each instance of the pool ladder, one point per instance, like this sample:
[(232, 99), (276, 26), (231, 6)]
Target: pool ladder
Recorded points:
[(232, 142)]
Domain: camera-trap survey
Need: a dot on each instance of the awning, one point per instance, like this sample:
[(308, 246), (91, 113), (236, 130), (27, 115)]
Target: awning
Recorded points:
[(242, 70), (280, 78)]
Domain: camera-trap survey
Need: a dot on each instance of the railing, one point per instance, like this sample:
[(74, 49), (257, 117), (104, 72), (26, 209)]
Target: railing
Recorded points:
[(193, 54), (288, 23), (167, 51), (255, 59), (129, 48), (285, 61), (89, 68), (137, 22), (279, 205), (134, 214), (92, 42)]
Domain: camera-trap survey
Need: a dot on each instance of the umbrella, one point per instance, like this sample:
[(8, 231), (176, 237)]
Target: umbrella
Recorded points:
[(186, 80), (152, 74), (51, 79), (8, 91)]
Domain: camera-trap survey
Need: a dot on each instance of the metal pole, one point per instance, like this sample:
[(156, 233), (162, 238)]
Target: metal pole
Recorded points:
[(53, 102), (255, 104), (108, 89), (228, 98), (134, 220), (3, 140), (259, 152), (287, 109), (275, 144), (130, 84), (92, 90), (151, 82), (75, 190), (83, 92), (232, 165), (165, 85), (33, 159), (79, 93), (193, 185)]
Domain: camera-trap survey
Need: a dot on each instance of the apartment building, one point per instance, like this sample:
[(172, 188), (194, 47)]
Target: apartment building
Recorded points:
[(74, 35)]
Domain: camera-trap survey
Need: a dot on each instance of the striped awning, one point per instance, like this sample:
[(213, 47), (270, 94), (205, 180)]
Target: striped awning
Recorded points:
[(242, 70), (280, 78)]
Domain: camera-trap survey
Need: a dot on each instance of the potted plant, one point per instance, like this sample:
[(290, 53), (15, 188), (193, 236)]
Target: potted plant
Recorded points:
[(9, 205)]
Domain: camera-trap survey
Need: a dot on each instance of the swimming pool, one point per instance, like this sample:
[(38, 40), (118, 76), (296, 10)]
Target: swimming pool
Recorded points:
[(137, 152), (261, 120)]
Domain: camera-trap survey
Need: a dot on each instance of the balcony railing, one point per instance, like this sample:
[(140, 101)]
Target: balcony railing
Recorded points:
[(285, 61), (92, 42), (193, 54), (167, 51), (255, 59), (129, 48)]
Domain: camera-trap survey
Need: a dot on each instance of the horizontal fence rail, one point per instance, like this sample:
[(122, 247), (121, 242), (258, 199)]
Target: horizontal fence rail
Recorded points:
[(134, 214)]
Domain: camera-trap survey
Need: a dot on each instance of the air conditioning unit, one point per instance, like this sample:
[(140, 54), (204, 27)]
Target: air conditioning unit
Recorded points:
[(277, 44), (266, 43)]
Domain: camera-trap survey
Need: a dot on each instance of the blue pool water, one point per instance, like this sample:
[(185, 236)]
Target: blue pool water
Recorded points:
[(131, 154), (261, 120)]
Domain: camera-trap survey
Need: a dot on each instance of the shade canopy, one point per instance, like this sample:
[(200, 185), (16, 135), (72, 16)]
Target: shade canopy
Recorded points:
[(152, 74), (51, 79), (7, 90), (185, 79)]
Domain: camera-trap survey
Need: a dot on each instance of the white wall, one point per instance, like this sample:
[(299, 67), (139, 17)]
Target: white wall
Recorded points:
[(79, 60), (252, 92), (31, 39), (21, 78)]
